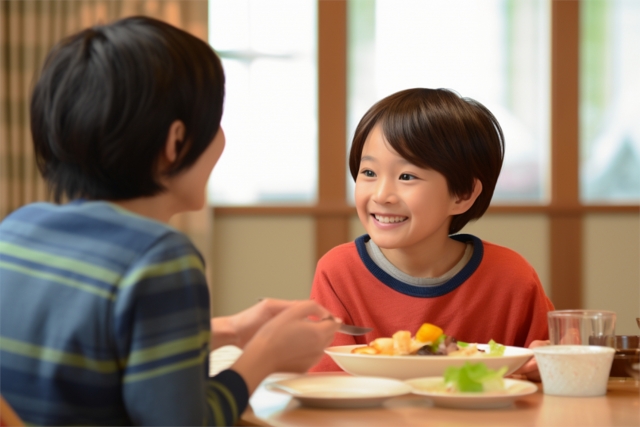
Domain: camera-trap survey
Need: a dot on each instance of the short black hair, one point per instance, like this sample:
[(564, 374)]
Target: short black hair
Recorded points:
[(437, 129), (105, 99)]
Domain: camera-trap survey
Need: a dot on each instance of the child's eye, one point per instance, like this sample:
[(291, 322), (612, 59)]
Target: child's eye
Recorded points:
[(406, 177), (368, 173)]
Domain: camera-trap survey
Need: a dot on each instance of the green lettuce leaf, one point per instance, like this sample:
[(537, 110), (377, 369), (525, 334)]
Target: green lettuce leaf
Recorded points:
[(474, 378), (495, 349)]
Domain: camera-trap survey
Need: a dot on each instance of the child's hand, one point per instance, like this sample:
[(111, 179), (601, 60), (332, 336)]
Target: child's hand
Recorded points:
[(529, 370), (247, 322), (296, 342), (239, 328), (289, 342)]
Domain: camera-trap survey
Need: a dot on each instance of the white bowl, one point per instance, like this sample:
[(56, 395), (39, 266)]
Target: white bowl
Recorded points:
[(406, 367), (574, 370)]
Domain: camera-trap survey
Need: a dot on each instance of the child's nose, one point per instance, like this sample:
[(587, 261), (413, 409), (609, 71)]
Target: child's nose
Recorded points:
[(385, 192)]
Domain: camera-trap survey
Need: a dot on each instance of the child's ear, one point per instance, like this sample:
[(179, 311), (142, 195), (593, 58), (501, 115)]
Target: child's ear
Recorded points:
[(463, 203), (173, 144)]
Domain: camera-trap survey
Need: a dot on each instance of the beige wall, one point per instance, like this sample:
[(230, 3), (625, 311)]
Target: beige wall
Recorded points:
[(271, 256), (611, 268), (261, 256)]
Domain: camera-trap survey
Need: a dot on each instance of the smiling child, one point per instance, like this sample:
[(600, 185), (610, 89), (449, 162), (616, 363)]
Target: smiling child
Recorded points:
[(425, 163)]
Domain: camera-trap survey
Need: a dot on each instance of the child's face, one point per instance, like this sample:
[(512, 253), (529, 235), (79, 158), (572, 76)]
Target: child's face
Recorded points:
[(401, 205)]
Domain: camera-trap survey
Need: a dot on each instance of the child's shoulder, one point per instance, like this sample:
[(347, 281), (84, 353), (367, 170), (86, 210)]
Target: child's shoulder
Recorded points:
[(340, 253), (495, 250), (495, 255), (507, 260), (92, 220)]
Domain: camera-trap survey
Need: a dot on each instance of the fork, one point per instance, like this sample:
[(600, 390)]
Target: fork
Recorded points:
[(354, 330), (350, 329)]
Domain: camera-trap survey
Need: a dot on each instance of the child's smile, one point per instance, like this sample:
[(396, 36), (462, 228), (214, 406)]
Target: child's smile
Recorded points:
[(387, 220)]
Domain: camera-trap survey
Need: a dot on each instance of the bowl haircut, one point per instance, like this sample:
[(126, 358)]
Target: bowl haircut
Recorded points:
[(439, 130), (105, 99)]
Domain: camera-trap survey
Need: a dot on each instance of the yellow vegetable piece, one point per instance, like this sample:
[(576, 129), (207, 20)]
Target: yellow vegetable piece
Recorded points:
[(428, 333)]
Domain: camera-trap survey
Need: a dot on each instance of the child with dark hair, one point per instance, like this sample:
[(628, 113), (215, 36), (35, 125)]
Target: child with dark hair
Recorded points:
[(425, 163), (104, 308)]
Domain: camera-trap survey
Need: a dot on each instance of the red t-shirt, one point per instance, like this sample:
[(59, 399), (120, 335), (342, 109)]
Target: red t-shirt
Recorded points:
[(497, 295)]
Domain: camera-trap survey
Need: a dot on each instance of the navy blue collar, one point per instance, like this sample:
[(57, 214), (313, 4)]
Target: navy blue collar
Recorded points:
[(424, 291)]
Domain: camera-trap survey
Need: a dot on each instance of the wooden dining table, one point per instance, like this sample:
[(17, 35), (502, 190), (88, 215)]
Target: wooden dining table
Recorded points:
[(619, 407)]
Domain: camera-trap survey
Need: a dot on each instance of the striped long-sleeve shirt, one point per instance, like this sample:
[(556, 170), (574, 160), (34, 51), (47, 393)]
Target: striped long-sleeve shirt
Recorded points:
[(104, 320)]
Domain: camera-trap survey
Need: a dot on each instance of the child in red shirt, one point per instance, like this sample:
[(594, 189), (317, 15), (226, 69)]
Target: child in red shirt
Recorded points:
[(425, 163)]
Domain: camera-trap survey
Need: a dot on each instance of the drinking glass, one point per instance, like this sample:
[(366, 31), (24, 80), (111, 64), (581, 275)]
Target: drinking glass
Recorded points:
[(581, 327)]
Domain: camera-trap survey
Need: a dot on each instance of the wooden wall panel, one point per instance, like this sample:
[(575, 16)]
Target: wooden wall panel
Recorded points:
[(565, 217), (332, 123)]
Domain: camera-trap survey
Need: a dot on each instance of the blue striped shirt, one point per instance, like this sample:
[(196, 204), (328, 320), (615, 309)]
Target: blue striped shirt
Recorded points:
[(104, 320)]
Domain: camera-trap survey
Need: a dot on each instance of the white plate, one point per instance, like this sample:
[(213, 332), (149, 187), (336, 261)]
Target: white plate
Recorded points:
[(429, 387), (406, 367), (341, 391)]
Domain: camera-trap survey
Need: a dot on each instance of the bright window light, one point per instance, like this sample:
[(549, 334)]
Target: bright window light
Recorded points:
[(610, 101), (268, 51)]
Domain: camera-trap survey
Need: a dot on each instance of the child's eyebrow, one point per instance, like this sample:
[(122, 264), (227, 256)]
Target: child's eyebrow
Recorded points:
[(401, 160)]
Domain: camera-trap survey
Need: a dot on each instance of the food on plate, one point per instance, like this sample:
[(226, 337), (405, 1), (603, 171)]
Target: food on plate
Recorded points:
[(429, 340), (474, 378)]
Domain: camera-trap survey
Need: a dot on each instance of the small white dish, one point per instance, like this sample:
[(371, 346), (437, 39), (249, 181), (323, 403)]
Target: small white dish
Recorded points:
[(430, 387), (574, 370), (340, 391), (407, 367)]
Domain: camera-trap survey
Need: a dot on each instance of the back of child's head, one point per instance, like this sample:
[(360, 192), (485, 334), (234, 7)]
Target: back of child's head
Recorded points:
[(437, 129), (105, 100)]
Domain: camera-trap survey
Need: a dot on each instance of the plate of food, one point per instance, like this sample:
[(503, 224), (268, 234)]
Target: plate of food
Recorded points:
[(340, 391), (472, 386), (427, 354)]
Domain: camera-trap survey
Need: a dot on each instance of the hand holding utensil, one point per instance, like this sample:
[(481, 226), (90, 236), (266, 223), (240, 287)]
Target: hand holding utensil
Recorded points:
[(344, 328)]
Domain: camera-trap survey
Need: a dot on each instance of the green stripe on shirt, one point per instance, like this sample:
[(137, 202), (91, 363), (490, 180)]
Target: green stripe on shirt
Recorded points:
[(214, 403), (167, 349), (230, 399), (58, 279), (163, 370), (163, 269), (55, 261), (57, 356)]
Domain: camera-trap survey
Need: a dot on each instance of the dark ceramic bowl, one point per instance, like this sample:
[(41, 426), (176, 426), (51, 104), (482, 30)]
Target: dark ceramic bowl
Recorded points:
[(627, 356)]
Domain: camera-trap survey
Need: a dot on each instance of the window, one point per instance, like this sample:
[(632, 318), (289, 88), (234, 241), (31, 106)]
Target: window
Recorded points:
[(495, 51), (268, 50), (610, 101)]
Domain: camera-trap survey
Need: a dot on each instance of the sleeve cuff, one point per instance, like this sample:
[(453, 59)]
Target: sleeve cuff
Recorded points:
[(234, 382)]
